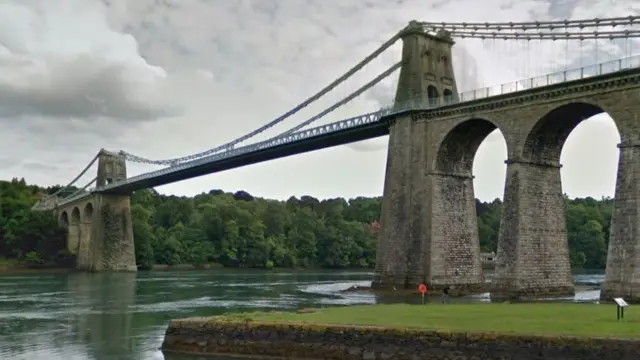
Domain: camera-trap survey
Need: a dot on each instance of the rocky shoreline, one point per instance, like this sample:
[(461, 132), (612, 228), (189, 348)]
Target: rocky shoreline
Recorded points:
[(237, 337)]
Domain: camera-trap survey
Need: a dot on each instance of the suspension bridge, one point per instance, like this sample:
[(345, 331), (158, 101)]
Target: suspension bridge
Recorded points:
[(428, 229)]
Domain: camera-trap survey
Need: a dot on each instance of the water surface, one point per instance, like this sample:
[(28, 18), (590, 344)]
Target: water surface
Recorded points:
[(123, 316)]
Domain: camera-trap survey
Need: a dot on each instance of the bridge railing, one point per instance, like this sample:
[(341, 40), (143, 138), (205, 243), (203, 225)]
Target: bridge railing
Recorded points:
[(553, 78), (420, 102), (78, 195)]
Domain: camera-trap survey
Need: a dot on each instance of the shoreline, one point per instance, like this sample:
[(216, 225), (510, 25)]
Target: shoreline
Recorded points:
[(317, 335)]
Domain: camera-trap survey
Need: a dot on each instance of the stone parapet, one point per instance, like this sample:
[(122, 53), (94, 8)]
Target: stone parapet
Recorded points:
[(211, 336)]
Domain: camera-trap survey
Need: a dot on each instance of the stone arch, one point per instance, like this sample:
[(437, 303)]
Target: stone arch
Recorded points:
[(87, 213), (457, 150), (75, 216), (453, 218), (546, 139), (64, 219)]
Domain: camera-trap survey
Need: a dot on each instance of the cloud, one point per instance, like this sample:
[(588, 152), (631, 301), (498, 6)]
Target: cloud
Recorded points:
[(56, 63), (168, 78)]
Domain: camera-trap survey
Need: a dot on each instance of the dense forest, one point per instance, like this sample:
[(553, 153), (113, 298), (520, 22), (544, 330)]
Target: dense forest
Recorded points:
[(239, 230)]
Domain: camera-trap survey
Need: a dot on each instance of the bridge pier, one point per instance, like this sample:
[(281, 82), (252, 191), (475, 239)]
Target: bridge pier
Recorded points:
[(83, 251), (533, 251), (393, 264), (428, 228), (112, 247), (622, 277), (407, 252), (454, 256)]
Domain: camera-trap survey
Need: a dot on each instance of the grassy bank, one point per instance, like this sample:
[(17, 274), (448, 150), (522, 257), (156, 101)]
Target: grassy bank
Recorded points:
[(590, 320)]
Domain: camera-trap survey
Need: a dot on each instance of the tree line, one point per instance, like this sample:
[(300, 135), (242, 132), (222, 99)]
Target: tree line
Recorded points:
[(240, 230)]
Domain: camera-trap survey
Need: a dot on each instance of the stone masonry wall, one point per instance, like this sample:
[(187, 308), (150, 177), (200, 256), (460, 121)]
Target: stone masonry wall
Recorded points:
[(305, 341), (73, 237), (622, 278), (533, 259), (455, 246), (79, 230), (83, 254), (112, 235), (533, 254), (393, 245), (103, 238)]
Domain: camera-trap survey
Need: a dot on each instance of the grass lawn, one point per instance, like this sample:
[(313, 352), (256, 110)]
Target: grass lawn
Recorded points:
[(589, 320)]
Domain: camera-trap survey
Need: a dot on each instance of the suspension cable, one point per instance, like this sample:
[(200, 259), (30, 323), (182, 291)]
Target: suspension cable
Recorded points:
[(548, 35), (83, 188), (350, 97), (77, 177), (278, 120), (585, 23)]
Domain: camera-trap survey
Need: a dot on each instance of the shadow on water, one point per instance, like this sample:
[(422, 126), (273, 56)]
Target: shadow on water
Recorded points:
[(124, 316)]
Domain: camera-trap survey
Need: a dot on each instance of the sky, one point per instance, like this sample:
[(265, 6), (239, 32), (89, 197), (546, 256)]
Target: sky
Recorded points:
[(167, 78)]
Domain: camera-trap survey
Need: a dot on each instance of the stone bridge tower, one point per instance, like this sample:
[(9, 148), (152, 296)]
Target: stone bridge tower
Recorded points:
[(100, 229), (111, 167), (428, 226), (427, 75)]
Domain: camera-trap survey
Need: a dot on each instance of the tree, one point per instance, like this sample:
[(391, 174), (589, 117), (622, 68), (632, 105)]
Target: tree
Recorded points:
[(241, 230)]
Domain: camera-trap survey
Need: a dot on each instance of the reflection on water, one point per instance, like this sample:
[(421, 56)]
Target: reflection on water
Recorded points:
[(124, 316)]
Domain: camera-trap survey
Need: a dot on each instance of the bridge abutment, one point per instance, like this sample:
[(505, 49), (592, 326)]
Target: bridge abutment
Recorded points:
[(100, 229), (533, 251), (622, 277), (100, 232)]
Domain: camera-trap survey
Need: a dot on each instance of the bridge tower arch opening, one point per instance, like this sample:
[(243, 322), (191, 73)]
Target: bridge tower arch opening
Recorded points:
[(455, 246), (433, 95)]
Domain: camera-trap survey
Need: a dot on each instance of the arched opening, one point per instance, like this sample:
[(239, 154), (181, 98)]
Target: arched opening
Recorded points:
[(64, 219), (433, 95), (589, 156), (75, 216), (547, 138), (87, 214), (457, 151), (448, 96), (468, 223)]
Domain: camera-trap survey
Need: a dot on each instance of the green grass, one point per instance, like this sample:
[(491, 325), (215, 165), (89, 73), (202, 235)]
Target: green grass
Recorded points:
[(590, 320)]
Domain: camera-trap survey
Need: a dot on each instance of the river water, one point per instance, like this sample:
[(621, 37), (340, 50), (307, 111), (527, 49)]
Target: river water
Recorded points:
[(82, 316)]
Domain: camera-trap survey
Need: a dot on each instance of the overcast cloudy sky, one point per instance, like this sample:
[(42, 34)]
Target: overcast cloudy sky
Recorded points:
[(165, 78)]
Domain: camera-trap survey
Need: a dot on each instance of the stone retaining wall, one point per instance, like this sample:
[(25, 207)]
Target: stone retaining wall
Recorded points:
[(209, 336)]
